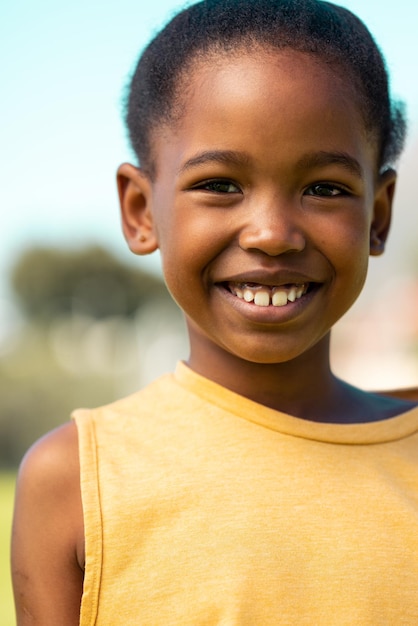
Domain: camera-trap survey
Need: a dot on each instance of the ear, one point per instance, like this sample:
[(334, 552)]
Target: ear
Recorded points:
[(382, 212), (135, 194)]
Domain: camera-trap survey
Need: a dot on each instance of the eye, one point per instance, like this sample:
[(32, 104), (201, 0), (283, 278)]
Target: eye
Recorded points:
[(220, 186), (327, 190)]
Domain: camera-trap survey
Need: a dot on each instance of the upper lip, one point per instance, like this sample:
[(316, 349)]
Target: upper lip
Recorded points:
[(268, 278)]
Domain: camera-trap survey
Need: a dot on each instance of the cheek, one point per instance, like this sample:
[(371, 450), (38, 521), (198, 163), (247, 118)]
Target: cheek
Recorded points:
[(348, 230), (347, 245), (192, 237)]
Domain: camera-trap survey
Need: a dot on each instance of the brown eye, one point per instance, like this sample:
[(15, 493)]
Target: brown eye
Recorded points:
[(218, 186), (324, 190)]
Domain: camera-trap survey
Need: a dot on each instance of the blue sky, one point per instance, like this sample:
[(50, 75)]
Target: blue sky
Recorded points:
[(62, 138)]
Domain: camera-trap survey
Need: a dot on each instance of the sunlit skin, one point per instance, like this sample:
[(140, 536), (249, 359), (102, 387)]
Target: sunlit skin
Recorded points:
[(268, 178)]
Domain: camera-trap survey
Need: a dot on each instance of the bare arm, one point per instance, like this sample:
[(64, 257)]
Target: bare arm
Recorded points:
[(47, 539)]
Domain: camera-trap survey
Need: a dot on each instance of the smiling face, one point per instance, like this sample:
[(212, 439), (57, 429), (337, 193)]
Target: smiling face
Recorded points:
[(262, 205)]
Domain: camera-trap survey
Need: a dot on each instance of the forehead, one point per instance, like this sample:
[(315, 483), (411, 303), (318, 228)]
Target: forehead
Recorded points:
[(260, 98)]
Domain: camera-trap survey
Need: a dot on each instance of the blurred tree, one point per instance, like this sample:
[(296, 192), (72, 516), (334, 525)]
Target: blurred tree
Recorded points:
[(89, 303), (90, 281)]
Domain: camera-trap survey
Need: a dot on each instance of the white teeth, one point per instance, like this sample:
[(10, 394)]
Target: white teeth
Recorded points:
[(291, 296), (261, 295), (262, 298), (279, 298), (248, 295)]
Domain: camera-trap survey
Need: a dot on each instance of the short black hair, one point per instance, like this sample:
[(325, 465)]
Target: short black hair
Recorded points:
[(330, 32)]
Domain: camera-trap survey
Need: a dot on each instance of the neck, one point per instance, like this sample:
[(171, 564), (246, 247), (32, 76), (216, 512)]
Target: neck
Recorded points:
[(304, 387)]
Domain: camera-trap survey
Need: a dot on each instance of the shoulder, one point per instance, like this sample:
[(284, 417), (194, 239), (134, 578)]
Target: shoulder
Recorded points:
[(51, 466), (47, 538), (48, 486), (50, 448)]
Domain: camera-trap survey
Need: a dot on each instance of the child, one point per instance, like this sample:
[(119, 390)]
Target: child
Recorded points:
[(251, 487)]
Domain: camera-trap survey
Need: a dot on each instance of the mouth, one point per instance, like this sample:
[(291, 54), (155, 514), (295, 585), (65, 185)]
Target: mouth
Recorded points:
[(265, 295)]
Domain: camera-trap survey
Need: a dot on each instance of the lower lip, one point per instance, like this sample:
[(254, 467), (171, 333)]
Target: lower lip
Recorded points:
[(268, 314)]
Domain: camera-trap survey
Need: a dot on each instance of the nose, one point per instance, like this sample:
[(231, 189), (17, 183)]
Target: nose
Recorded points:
[(273, 228)]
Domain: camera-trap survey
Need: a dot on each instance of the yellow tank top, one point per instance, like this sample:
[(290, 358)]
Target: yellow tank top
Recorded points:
[(204, 508)]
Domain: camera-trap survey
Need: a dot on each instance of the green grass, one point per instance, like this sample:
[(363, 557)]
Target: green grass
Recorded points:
[(7, 481)]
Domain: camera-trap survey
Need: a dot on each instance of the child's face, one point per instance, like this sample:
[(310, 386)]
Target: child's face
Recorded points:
[(266, 191)]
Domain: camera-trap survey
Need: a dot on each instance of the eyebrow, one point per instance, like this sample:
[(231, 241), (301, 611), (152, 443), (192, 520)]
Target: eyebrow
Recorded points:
[(223, 157), (318, 159), (323, 158)]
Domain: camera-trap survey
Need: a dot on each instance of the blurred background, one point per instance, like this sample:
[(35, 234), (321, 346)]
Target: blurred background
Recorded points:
[(81, 320)]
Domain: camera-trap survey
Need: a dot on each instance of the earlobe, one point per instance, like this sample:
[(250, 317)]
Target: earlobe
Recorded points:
[(382, 214), (135, 197)]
